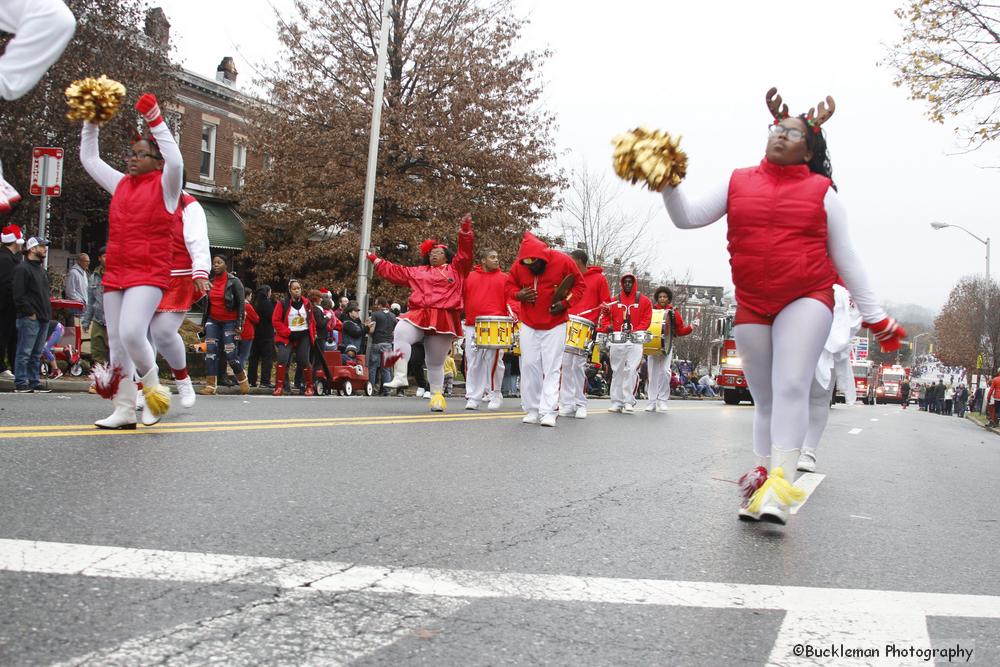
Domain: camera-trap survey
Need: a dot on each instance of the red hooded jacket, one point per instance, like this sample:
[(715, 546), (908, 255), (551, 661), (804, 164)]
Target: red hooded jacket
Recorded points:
[(485, 294), (638, 307), (596, 293), (557, 266), (680, 328)]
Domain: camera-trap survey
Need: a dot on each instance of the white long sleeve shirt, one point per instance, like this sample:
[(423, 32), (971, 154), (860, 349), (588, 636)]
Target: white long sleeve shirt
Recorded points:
[(196, 240), (41, 29), (686, 214)]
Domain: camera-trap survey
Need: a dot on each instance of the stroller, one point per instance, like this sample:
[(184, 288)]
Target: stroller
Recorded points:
[(65, 341), (335, 375)]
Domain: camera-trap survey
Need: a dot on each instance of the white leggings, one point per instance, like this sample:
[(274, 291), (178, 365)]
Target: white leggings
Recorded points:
[(819, 412), (164, 330), (436, 348), (128, 314), (779, 362)]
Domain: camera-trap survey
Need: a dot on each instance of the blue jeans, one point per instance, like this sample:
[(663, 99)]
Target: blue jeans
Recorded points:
[(245, 346), (226, 332), (377, 374), (31, 336)]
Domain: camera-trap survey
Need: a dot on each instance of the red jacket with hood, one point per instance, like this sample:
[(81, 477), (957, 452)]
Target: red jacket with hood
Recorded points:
[(557, 266), (485, 294), (637, 305), (596, 293)]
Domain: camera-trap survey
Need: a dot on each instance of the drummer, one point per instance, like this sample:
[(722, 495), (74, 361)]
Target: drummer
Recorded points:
[(485, 295), (535, 277), (572, 394), (658, 366), (630, 315)]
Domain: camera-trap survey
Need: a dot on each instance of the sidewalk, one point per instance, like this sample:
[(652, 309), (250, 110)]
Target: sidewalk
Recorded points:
[(980, 419)]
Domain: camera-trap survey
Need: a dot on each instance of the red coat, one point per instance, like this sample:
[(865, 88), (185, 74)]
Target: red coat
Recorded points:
[(433, 287), (680, 328), (637, 306), (485, 294), (280, 321), (558, 265), (777, 235), (249, 320), (140, 234), (595, 293)]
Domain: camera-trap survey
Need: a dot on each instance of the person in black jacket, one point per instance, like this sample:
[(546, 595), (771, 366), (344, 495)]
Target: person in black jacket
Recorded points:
[(10, 256), (223, 323), (262, 350), (354, 329), (31, 297)]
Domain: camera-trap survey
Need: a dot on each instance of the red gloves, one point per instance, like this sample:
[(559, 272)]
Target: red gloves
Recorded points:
[(372, 257), (467, 223), (888, 333), (149, 109)]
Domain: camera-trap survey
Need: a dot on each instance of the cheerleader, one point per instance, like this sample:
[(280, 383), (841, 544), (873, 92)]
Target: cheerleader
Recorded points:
[(435, 307), (141, 222), (788, 240)]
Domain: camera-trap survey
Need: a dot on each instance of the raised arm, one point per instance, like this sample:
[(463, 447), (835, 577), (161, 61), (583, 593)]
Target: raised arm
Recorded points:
[(103, 174), (846, 260), (462, 261), (196, 240), (41, 29), (173, 163), (686, 214)]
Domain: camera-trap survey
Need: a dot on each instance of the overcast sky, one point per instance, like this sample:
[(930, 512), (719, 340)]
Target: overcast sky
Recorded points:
[(701, 70)]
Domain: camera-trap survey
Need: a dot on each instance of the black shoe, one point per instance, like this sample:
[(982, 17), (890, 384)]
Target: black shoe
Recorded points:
[(41, 389), (266, 385), (23, 390)]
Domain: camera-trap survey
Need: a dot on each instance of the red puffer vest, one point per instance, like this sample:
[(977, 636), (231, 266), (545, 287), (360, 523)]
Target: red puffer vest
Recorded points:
[(180, 263), (140, 234), (777, 235)]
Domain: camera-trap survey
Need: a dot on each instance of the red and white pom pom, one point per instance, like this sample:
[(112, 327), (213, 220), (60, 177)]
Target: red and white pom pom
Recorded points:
[(751, 481), (106, 379), (389, 359)]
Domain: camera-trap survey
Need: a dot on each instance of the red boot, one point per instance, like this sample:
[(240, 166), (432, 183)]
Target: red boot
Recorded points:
[(279, 381), (307, 379)]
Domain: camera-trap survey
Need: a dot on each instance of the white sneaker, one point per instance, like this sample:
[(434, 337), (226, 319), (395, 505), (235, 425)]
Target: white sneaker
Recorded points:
[(661, 406), (7, 375), (651, 407), (548, 420), (581, 413), (628, 409), (615, 408), (807, 462), (471, 404), (530, 418), (420, 392), (567, 412), (495, 403), (185, 389)]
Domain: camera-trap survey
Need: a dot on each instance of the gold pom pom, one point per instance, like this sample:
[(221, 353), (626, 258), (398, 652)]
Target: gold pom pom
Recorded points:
[(94, 100), (651, 156), (157, 399)]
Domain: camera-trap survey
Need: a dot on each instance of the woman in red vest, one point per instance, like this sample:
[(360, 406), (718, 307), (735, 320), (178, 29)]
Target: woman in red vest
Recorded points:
[(788, 240), (144, 203)]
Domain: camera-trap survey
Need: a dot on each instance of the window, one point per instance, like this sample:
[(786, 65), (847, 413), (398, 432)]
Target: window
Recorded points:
[(208, 151), (239, 164)]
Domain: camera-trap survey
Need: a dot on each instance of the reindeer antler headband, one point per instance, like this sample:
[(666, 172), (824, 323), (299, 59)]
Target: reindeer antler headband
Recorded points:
[(814, 118)]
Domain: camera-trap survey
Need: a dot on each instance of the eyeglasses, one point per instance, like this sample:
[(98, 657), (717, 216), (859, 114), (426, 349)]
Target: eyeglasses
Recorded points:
[(141, 155), (790, 132)]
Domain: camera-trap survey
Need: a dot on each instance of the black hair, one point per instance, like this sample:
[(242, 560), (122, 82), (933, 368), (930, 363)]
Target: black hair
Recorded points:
[(448, 256), (261, 297), (660, 290), (157, 155), (581, 255), (816, 143)]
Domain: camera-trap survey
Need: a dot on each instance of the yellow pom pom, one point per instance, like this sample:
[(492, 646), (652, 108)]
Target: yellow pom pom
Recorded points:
[(157, 399), (650, 156), (94, 100), (782, 489)]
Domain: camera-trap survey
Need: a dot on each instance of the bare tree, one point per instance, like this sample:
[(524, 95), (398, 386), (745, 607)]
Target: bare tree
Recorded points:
[(592, 214)]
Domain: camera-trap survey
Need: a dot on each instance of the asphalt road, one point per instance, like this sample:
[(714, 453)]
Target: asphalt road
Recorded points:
[(369, 531)]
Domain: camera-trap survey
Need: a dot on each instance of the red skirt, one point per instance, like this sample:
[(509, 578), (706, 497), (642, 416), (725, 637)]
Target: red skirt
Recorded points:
[(435, 320), (179, 296)]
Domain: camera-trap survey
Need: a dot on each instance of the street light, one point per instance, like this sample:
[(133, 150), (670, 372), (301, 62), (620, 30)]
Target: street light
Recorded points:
[(986, 242), (913, 343)]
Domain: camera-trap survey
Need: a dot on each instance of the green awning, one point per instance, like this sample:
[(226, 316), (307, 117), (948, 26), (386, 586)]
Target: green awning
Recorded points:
[(225, 228)]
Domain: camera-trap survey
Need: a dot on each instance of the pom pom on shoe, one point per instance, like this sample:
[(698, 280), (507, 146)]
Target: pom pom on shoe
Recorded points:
[(784, 492), (105, 378), (157, 399), (750, 482)]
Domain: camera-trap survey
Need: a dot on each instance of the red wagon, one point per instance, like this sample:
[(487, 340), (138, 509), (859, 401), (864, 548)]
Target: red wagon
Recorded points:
[(344, 379), (68, 347)]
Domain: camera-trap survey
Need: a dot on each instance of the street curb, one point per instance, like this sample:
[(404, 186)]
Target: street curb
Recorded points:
[(994, 431)]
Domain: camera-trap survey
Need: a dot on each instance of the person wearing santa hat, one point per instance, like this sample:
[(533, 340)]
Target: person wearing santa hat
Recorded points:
[(10, 257), (435, 307), (190, 265), (485, 294), (658, 365), (141, 221)]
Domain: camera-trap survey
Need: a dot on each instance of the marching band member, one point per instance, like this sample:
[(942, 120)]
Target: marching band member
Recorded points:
[(658, 389), (546, 282), (572, 394), (188, 283), (485, 294), (435, 307), (788, 240), (631, 312), (138, 261)]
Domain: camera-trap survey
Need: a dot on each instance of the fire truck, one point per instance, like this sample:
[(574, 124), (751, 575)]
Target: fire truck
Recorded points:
[(731, 379), (862, 377), (886, 387)]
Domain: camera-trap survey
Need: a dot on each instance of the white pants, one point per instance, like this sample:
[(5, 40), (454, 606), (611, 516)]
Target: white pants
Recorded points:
[(625, 360), (819, 412), (658, 388), (436, 348), (483, 368), (164, 330), (572, 391), (128, 314), (541, 358)]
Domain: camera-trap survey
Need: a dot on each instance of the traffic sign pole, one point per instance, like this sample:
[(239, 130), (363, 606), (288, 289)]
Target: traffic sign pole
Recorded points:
[(43, 209)]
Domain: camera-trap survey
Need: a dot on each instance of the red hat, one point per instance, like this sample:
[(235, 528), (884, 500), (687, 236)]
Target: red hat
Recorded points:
[(428, 245), (12, 234)]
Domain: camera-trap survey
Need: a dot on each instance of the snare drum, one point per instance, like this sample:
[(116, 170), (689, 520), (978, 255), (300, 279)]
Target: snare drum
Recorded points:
[(641, 337), (617, 337), (579, 332), (494, 332)]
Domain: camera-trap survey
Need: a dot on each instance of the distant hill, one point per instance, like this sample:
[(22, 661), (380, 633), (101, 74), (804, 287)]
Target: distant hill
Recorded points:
[(912, 313)]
